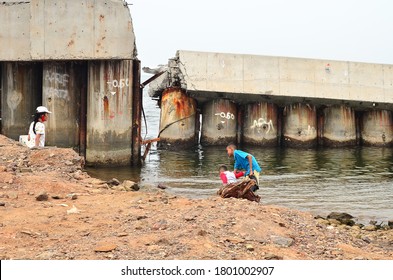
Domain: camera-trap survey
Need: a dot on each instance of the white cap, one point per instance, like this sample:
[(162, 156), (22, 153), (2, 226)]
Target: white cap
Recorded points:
[(42, 109)]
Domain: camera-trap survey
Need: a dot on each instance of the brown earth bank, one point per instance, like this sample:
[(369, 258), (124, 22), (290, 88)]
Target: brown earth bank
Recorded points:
[(51, 209)]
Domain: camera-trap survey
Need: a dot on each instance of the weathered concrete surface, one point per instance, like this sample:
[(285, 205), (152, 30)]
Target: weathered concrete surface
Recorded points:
[(219, 122), (275, 79), (63, 86), (20, 96), (300, 125), (109, 112), (377, 128), (339, 126), (66, 30), (260, 124), (177, 119)]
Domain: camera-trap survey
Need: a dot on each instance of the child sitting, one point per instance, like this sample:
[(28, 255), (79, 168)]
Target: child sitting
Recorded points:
[(228, 177)]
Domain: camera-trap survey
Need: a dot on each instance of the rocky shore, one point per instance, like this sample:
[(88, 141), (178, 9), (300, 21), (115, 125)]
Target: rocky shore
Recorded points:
[(51, 209)]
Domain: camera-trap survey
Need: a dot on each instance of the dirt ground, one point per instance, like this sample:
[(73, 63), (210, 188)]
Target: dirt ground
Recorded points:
[(51, 209)]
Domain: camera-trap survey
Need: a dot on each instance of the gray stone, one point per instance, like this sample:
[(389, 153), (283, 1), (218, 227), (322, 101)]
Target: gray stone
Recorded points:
[(340, 216), (42, 197), (282, 241), (73, 196)]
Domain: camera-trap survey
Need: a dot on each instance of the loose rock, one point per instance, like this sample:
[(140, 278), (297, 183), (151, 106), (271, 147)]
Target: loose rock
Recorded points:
[(105, 247), (130, 186), (42, 197), (282, 241)]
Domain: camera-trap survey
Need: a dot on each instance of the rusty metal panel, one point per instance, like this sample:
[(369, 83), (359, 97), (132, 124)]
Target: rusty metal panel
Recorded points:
[(109, 112), (219, 122), (300, 125), (339, 127), (81, 29), (21, 94), (177, 119), (62, 86), (377, 128), (260, 125), (136, 114)]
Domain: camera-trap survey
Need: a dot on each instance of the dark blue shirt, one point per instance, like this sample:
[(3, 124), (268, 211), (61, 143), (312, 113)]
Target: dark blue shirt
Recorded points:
[(241, 161)]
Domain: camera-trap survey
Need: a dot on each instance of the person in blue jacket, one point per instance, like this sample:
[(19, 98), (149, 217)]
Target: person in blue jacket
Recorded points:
[(245, 161)]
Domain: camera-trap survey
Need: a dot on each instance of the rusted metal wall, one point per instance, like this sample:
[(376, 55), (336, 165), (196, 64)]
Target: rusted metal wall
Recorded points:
[(260, 125), (21, 94), (177, 119), (339, 126), (64, 83), (109, 112), (300, 125), (137, 103), (377, 128), (219, 125)]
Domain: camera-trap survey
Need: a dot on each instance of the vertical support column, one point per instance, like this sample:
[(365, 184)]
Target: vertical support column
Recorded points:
[(21, 94), (377, 128), (109, 112), (62, 90), (137, 101), (260, 126), (339, 126), (177, 119), (219, 126), (300, 125)]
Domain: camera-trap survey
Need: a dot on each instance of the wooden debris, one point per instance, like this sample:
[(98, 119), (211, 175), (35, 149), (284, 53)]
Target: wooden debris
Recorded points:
[(239, 190)]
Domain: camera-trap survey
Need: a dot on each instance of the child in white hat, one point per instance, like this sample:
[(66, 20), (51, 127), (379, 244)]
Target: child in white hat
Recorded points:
[(36, 137)]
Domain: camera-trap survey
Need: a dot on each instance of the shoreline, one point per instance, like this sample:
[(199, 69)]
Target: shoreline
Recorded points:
[(54, 210)]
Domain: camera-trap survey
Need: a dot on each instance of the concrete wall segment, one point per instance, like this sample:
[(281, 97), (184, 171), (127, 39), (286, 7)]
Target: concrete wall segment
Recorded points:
[(276, 78), (66, 30)]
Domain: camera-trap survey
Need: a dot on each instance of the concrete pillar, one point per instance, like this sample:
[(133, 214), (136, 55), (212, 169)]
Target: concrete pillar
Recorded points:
[(339, 126), (219, 125), (300, 125), (63, 85), (260, 124), (21, 94), (377, 128), (109, 112), (177, 119)]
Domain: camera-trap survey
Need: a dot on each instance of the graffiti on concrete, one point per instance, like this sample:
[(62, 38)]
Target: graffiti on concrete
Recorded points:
[(306, 132), (115, 84), (262, 126), (13, 100), (224, 117), (56, 85)]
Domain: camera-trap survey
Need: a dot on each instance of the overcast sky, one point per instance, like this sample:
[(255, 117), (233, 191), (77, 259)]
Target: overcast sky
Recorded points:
[(354, 30)]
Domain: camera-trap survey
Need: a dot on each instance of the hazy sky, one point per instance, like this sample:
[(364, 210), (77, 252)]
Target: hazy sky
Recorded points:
[(355, 30)]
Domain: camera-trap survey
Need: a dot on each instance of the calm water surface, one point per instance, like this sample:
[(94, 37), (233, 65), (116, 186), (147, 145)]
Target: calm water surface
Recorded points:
[(355, 180)]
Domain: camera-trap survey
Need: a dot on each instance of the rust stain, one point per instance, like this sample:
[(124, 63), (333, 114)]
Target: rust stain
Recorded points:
[(71, 43), (102, 17), (106, 107)]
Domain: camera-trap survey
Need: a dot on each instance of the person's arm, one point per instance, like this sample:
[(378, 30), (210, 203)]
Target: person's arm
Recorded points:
[(37, 140), (239, 174), (249, 157), (224, 178)]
